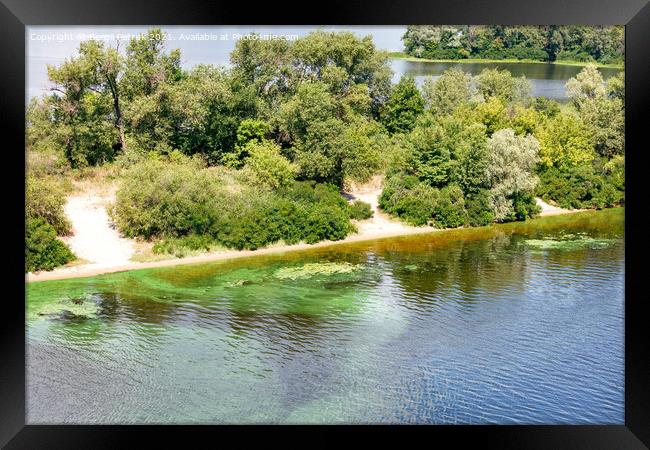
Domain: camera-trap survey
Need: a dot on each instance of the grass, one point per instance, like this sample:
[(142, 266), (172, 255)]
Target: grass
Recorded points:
[(402, 55)]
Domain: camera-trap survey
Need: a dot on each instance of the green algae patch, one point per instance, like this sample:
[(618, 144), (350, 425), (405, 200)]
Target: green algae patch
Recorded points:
[(77, 307), (569, 242), (310, 270)]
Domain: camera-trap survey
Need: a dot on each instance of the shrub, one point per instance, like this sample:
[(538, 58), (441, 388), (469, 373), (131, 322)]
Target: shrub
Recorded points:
[(449, 211), (326, 222), (193, 208), (479, 209), (360, 210), (524, 205), (168, 199), (179, 246), (406, 197), (44, 198), (579, 187), (43, 251), (268, 165)]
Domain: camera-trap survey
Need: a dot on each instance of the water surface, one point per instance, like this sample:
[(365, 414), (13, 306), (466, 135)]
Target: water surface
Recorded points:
[(511, 324), (547, 80)]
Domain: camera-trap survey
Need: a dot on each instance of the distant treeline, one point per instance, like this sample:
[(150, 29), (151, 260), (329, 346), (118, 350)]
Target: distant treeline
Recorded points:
[(603, 44)]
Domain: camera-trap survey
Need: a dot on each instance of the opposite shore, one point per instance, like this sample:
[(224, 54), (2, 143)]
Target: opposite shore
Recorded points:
[(404, 56)]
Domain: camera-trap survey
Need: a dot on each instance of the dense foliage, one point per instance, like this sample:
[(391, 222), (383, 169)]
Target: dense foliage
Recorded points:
[(603, 44), (44, 199), (43, 251), (45, 219), (184, 199), (360, 210), (483, 148)]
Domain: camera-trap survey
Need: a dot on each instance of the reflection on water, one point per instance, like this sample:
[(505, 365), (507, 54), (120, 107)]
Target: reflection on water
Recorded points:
[(547, 80), (520, 323)]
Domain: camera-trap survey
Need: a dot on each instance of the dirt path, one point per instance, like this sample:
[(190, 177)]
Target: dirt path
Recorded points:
[(94, 240), (380, 223)]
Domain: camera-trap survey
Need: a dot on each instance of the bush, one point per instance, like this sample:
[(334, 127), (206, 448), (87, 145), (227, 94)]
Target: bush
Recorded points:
[(44, 199), (268, 165), (326, 222), (408, 198), (524, 205), (179, 246), (360, 210), (193, 208), (479, 209), (449, 211), (43, 251), (579, 187), (168, 199)]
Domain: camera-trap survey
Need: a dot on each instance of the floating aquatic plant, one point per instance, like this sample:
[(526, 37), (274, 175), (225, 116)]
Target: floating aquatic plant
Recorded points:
[(312, 269), (77, 307), (569, 242)]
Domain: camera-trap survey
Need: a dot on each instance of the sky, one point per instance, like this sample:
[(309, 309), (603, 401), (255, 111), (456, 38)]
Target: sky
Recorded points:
[(198, 44)]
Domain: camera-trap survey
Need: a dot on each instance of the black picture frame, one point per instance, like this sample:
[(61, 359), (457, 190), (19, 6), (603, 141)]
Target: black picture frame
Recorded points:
[(15, 15)]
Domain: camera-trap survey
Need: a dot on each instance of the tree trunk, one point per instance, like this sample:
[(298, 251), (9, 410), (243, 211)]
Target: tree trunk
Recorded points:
[(119, 122)]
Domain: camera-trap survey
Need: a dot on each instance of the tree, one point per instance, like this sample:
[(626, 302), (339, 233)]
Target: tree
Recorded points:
[(403, 107), (147, 67), (432, 153), (107, 66), (340, 60), (471, 154), (564, 142), (501, 84), (511, 165), (82, 110), (452, 89), (492, 113), (268, 165), (605, 119), (616, 87), (588, 84)]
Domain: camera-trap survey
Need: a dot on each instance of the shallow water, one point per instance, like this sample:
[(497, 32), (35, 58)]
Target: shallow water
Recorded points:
[(519, 323), (547, 80)]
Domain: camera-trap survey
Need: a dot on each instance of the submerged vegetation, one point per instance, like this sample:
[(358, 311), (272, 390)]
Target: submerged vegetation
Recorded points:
[(257, 154)]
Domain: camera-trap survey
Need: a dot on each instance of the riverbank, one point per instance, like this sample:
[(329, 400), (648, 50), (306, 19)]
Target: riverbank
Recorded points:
[(103, 250), (403, 56)]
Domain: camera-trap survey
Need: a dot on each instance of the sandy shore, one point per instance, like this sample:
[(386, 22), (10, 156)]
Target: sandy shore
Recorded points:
[(550, 210), (103, 250)]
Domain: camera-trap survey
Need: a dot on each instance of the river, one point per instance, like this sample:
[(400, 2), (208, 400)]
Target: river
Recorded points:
[(506, 324), (547, 80)]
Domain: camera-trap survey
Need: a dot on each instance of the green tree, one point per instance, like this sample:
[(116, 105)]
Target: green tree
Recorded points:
[(403, 107), (45, 199), (268, 165), (564, 142), (588, 84), (147, 67), (452, 89), (501, 84), (605, 119), (511, 170)]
